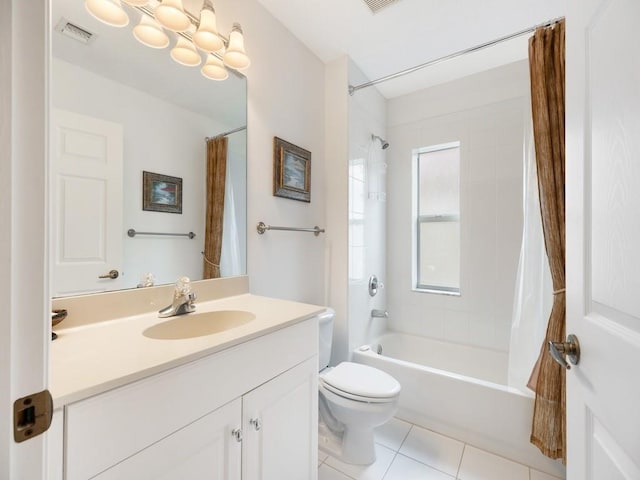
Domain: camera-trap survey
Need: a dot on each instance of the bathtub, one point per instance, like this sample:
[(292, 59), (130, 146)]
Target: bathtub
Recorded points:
[(459, 391)]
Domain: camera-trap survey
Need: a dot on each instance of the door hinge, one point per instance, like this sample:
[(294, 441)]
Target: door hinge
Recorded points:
[(32, 415)]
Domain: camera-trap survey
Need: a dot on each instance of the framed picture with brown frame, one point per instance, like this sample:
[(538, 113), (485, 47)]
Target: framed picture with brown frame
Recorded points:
[(291, 171), (161, 193)]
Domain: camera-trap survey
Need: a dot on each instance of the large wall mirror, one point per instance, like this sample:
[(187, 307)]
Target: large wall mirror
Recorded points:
[(118, 109)]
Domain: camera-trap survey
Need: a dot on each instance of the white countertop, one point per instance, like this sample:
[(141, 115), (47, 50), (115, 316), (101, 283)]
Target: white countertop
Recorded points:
[(91, 359)]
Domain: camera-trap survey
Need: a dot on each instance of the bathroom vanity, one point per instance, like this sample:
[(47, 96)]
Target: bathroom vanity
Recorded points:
[(237, 404)]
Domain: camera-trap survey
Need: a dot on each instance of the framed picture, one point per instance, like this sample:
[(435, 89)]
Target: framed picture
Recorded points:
[(291, 171), (161, 193)]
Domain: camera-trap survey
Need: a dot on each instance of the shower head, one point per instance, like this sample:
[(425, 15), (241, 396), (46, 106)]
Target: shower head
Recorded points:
[(383, 142)]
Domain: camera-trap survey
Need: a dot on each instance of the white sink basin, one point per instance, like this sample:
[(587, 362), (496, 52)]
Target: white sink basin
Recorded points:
[(194, 325)]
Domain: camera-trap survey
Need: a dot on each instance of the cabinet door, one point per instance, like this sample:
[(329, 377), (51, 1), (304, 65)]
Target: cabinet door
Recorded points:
[(205, 449), (280, 425)]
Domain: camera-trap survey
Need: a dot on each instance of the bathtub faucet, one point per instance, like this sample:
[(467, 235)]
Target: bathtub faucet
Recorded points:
[(375, 313)]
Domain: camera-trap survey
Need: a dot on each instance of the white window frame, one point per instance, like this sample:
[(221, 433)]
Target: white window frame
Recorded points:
[(419, 219)]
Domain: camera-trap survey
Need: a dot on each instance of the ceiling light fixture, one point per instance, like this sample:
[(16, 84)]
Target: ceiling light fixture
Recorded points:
[(170, 14), (185, 53), (206, 37), (190, 32), (235, 56), (108, 11), (214, 69), (149, 32)]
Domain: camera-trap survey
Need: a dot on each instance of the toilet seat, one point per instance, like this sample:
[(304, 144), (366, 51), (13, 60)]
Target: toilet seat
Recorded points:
[(360, 383)]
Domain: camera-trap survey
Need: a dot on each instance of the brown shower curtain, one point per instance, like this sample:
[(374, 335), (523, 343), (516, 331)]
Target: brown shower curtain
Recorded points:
[(546, 62), (216, 177)]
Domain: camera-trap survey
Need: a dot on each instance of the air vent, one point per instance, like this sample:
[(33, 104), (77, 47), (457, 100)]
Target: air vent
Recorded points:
[(80, 34), (376, 5)]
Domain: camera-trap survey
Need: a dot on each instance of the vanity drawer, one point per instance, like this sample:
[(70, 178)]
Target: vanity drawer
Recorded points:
[(105, 429)]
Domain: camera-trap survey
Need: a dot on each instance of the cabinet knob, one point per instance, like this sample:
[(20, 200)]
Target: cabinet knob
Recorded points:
[(255, 423), (237, 434)]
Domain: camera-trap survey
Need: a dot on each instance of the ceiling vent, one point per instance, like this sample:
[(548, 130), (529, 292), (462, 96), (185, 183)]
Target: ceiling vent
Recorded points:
[(376, 5), (80, 34)]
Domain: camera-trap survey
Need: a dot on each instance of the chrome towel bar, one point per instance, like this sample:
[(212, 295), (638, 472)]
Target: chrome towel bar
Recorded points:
[(132, 233), (262, 227)]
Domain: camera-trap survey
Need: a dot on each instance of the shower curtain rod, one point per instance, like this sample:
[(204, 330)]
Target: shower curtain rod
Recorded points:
[(353, 89), (224, 134)]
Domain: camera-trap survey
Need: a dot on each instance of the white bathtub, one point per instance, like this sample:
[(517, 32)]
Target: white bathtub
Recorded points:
[(459, 391)]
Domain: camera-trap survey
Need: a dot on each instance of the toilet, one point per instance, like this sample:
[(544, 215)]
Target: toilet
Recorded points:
[(353, 400)]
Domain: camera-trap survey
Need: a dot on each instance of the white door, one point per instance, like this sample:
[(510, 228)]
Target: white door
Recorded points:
[(280, 424), (603, 238), (24, 340), (87, 204)]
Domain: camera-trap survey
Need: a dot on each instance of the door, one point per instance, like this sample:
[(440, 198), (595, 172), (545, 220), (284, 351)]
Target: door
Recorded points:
[(87, 204), (280, 425), (24, 341), (205, 449), (603, 238)]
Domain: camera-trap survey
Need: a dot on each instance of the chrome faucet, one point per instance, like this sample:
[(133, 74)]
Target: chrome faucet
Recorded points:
[(375, 313), (183, 299)]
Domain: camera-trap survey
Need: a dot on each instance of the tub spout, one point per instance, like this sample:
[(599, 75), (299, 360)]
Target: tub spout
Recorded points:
[(375, 313)]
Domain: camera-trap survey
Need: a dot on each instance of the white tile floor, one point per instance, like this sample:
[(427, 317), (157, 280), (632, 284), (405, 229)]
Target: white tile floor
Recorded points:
[(408, 452)]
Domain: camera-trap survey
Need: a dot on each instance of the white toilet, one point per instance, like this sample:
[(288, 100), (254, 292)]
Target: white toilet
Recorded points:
[(353, 400)]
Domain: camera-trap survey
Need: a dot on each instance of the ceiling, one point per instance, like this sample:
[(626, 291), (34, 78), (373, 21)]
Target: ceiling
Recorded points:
[(407, 33)]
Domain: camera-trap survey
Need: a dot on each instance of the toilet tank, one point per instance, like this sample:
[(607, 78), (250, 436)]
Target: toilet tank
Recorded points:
[(325, 331)]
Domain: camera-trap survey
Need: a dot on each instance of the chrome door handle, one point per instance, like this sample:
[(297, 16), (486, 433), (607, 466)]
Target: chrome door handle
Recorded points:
[(113, 274), (570, 348)]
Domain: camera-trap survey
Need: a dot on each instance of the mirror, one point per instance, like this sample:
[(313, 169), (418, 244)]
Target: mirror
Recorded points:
[(112, 97)]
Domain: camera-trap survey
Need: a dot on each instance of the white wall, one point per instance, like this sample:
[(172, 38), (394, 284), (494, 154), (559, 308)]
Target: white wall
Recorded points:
[(159, 137), (337, 202), (285, 99), (486, 113)]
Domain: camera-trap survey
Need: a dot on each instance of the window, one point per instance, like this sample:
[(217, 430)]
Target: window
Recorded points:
[(437, 238)]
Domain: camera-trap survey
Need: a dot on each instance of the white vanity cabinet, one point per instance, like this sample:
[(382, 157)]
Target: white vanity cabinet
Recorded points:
[(205, 448), (246, 412), (280, 424)]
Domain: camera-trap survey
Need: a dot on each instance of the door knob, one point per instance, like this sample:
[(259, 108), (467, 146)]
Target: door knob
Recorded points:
[(570, 348), (256, 423), (113, 274)]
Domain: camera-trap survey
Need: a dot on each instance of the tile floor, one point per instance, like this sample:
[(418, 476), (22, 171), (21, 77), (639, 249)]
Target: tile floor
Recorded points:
[(408, 452)]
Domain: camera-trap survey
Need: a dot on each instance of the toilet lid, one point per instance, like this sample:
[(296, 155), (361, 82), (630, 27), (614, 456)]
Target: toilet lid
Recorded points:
[(361, 380)]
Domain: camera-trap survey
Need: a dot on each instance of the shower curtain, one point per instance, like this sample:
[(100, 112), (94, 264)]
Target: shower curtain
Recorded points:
[(546, 60), (216, 179), (534, 288), (230, 264)]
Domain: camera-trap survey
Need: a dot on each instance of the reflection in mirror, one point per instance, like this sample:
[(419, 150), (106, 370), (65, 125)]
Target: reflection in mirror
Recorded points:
[(119, 109)]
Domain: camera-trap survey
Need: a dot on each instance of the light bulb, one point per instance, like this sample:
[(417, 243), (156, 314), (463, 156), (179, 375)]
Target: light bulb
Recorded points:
[(214, 68), (185, 53), (170, 14), (206, 37), (108, 11), (150, 33), (235, 56)]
